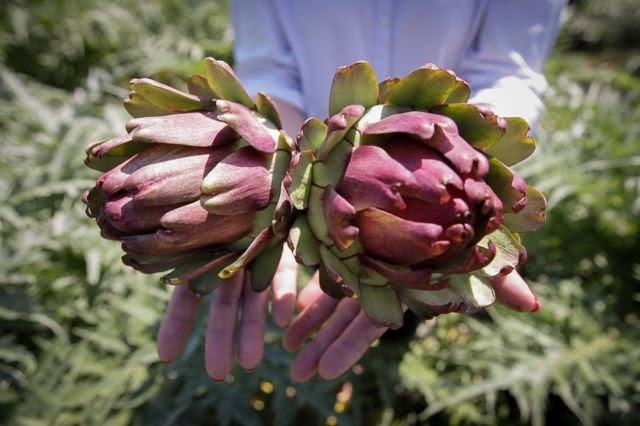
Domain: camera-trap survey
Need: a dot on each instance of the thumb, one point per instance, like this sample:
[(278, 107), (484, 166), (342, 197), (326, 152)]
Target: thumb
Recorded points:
[(512, 291)]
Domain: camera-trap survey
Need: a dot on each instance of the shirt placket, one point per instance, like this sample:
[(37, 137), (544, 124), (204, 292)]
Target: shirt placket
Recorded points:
[(382, 37)]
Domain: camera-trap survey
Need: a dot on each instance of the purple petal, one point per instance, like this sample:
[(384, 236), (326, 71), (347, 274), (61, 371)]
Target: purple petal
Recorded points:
[(202, 129), (520, 187), (247, 125), (374, 179), (344, 119), (397, 240), (173, 180), (459, 234), (470, 260), (439, 132), (419, 279), (238, 184), (159, 162), (454, 211), (489, 205), (433, 176), (338, 214), (337, 127), (189, 226), (126, 216), (109, 232)]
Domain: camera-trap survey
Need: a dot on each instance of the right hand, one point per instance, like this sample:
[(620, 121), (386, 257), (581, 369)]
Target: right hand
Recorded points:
[(344, 332)]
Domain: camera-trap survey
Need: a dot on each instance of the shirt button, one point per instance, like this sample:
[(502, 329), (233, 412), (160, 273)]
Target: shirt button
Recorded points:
[(384, 22)]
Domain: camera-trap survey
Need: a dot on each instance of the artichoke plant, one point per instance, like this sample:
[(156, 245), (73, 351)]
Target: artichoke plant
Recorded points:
[(194, 187), (407, 196)]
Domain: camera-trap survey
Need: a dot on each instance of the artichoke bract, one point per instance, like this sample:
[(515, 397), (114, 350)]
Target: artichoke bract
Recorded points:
[(407, 196), (194, 187)]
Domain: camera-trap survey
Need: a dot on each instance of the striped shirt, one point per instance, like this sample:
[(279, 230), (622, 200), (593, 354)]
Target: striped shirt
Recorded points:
[(291, 49)]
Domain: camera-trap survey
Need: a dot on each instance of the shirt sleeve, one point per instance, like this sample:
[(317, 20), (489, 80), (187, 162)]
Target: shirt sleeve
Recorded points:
[(263, 58), (504, 64)]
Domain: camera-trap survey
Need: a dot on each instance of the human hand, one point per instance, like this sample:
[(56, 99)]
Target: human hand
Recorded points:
[(233, 296), (344, 332)]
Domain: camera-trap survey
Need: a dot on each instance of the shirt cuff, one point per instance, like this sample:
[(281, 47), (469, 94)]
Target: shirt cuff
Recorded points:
[(509, 97)]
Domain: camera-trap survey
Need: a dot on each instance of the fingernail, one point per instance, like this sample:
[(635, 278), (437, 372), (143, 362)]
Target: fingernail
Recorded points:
[(536, 308)]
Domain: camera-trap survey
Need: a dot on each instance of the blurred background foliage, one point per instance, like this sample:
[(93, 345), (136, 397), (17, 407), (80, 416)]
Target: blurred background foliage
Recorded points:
[(77, 328)]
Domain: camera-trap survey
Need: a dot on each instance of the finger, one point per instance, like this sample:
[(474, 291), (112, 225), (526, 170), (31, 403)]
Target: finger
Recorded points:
[(220, 327), (305, 364), (310, 292), (253, 324), (349, 347), (513, 292), (309, 320), (284, 289), (177, 323)]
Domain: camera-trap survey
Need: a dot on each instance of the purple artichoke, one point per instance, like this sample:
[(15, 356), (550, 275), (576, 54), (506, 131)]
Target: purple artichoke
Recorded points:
[(407, 195), (194, 187)]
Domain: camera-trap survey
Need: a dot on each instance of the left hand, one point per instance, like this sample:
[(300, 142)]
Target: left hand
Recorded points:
[(232, 297)]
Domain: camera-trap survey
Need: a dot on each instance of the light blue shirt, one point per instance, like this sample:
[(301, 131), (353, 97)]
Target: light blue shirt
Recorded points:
[(291, 49)]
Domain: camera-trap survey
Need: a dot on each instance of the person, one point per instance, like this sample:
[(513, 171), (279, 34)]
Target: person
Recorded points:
[(291, 49)]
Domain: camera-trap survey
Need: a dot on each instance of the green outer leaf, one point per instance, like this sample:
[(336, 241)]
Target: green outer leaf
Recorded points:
[(95, 200), (303, 243), (353, 263), (138, 106), (208, 281), (368, 276), (515, 145), (422, 310), (114, 156), (329, 171), (353, 137), (179, 275), (499, 179), (508, 251), (475, 290), (334, 264), (381, 304), (354, 249), (301, 180), (312, 134), (423, 88), (197, 85), (477, 129), (460, 94), (439, 297), (267, 108), (328, 285), (260, 243), (262, 220), (353, 84), (263, 267), (224, 82), (532, 217), (278, 168), (166, 97), (315, 215), (384, 87)]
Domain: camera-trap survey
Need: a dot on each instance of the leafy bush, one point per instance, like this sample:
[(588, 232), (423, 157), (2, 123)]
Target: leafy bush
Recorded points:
[(59, 42)]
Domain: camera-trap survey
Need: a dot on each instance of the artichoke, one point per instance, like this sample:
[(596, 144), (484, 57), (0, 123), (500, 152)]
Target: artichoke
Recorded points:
[(194, 188), (407, 196)]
